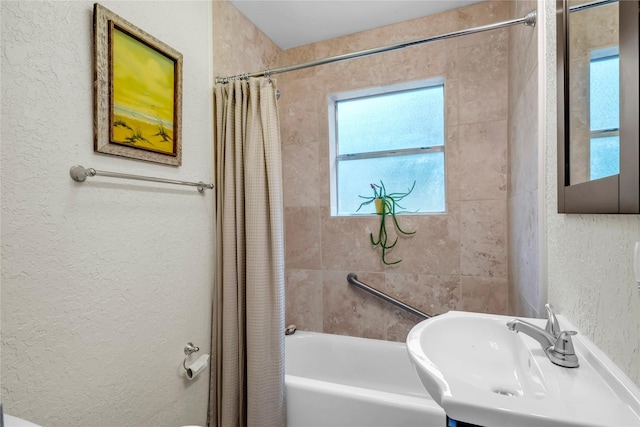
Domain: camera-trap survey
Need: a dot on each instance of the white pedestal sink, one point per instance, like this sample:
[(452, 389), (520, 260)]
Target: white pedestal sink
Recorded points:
[(10, 421), (482, 373)]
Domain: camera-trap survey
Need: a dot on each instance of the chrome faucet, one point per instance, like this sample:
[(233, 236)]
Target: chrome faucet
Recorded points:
[(556, 344), (552, 325)]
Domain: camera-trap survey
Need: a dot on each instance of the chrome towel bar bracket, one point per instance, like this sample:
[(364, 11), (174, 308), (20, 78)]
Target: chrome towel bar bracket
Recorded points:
[(80, 173)]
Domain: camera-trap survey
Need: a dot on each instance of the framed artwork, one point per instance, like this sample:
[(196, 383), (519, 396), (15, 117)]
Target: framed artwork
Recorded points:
[(137, 92)]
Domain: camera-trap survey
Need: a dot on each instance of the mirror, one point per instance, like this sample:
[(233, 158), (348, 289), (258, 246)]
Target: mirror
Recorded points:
[(598, 160), (594, 97)]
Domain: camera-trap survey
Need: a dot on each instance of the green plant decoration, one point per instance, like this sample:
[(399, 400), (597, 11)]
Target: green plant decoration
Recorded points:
[(386, 205)]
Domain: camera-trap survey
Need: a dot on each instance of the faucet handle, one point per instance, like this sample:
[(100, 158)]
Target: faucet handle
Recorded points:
[(552, 326), (564, 343), (562, 352)]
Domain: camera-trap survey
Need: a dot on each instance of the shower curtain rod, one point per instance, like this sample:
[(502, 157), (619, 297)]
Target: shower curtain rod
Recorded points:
[(584, 6), (529, 20)]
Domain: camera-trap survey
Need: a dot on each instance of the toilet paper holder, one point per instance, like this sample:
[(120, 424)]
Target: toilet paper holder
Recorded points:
[(188, 350)]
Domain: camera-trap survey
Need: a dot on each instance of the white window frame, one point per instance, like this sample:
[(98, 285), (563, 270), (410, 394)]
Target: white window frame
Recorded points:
[(334, 98)]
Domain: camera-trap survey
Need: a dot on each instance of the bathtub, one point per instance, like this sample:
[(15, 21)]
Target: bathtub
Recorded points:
[(339, 381)]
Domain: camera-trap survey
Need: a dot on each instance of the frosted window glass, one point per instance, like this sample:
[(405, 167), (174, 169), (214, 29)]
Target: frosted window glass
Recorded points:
[(398, 120), (398, 174), (604, 112), (605, 157), (604, 93), (379, 136)]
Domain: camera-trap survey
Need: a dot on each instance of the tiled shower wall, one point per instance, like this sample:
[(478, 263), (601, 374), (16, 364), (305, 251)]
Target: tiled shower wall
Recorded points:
[(239, 46), (526, 295), (457, 260)]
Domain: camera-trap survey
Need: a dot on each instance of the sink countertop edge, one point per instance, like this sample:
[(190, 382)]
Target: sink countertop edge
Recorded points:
[(610, 372)]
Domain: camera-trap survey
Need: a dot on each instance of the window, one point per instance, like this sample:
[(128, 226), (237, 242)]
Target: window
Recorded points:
[(604, 112), (393, 134)]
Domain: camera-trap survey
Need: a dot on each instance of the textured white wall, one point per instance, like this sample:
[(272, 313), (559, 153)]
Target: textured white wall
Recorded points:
[(103, 282), (589, 257)]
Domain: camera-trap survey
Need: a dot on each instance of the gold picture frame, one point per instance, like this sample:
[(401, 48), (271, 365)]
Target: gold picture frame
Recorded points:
[(137, 92)]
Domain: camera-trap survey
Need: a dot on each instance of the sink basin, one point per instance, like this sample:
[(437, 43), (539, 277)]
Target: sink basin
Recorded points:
[(482, 373), (10, 421)]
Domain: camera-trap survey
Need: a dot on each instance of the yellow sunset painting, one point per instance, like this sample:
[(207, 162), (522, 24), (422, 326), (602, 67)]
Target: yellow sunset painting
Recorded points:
[(143, 95)]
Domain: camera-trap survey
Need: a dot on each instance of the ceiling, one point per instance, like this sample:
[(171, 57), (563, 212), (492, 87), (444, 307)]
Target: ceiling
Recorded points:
[(291, 23)]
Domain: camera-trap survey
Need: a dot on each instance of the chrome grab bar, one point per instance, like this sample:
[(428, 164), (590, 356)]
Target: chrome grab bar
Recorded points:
[(353, 280)]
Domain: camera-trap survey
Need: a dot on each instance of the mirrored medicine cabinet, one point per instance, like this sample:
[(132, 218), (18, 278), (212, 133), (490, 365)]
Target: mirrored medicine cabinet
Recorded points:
[(598, 107)]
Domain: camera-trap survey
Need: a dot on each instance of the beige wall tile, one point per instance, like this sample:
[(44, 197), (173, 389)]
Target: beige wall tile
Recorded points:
[(303, 290), (523, 137), (302, 238), (451, 101), (523, 46), (351, 311), (300, 172), (420, 62), (483, 228), (421, 28), (483, 83), (512, 302), (483, 13), (346, 243), (298, 116), (523, 244), (238, 45), (484, 294), (519, 8), (434, 248), (323, 152), (526, 310), (483, 160), (452, 165), (432, 295), (399, 327), (298, 55)]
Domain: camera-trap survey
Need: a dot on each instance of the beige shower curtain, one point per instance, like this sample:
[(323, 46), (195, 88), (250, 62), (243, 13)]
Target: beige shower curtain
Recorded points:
[(247, 375)]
